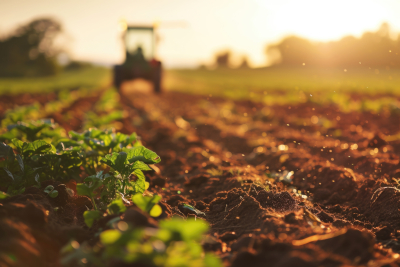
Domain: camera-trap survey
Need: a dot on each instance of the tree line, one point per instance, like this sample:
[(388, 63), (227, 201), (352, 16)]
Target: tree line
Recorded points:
[(29, 50), (372, 49)]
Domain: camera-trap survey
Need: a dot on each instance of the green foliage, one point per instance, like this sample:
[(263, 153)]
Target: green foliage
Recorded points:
[(43, 129), (148, 204), (90, 185), (90, 216), (22, 113), (104, 142), (50, 191), (142, 154), (16, 173), (131, 161), (3, 195), (175, 243), (43, 153), (102, 121), (35, 148), (31, 129), (116, 207)]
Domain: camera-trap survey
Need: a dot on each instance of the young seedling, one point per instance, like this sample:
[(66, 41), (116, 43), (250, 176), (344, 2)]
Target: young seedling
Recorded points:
[(50, 191), (90, 185), (132, 161)]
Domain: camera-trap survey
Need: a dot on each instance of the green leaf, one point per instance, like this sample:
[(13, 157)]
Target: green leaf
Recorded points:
[(155, 211), (18, 144), (189, 230), (109, 237), (53, 194), (20, 162), (210, 260), (90, 216), (3, 195), (117, 161), (147, 203), (6, 152), (94, 182), (48, 189), (31, 129), (140, 153), (37, 147), (138, 165), (139, 186), (76, 136), (83, 190), (116, 207)]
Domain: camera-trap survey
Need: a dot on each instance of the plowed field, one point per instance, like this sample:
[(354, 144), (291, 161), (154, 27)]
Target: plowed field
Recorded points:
[(280, 185)]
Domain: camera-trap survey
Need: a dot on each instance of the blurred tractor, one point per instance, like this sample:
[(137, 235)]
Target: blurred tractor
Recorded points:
[(140, 59)]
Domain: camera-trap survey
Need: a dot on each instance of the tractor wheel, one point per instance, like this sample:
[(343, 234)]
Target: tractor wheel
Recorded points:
[(157, 80), (118, 77)]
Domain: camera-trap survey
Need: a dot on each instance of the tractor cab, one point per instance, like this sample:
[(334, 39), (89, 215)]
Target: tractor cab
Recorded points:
[(140, 61)]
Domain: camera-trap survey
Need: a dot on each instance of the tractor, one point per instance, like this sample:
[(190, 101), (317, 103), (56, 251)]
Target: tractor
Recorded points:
[(140, 61)]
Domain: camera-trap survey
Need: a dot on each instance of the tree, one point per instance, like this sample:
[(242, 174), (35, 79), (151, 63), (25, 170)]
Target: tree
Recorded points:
[(373, 49), (222, 59), (30, 51)]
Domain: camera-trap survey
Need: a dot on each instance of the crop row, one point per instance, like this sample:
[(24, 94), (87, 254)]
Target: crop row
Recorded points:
[(108, 167)]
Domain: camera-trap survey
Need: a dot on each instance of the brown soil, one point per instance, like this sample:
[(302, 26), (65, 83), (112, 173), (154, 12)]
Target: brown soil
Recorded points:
[(231, 160)]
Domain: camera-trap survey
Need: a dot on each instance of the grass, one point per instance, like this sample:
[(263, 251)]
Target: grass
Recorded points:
[(88, 78), (269, 85), (375, 90), (241, 83)]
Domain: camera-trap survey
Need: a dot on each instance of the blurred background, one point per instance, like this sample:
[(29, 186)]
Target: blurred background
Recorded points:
[(206, 45)]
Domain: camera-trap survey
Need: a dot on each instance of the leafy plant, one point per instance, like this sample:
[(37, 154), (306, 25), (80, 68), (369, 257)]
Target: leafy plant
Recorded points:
[(90, 185), (17, 174), (50, 191), (95, 143), (35, 161), (104, 142), (102, 121), (32, 129), (115, 207), (62, 164), (175, 243), (131, 161)]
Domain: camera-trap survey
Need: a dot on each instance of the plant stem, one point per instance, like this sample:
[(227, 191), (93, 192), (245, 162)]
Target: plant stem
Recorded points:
[(94, 203), (123, 185)]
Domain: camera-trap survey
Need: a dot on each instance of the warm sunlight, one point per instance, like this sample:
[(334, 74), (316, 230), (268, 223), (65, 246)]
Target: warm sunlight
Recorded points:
[(243, 26), (327, 20), (199, 133)]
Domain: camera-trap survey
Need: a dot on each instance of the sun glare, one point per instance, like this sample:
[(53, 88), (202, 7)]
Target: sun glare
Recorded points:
[(326, 20)]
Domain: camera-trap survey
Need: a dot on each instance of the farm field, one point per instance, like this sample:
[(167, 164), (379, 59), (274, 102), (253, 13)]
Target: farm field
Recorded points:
[(250, 170), (88, 78), (237, 82)]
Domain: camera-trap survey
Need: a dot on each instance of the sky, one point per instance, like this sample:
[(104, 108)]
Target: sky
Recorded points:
[(192, 31)]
